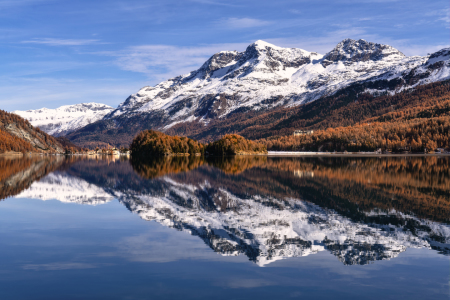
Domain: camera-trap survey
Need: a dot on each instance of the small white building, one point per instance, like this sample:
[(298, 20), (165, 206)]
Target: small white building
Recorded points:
[(303, 132), (114, 151)]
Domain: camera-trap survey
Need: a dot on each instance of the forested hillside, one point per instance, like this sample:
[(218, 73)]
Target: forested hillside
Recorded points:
[(347, 107), (410, 118), (18, 135), (414, 120)]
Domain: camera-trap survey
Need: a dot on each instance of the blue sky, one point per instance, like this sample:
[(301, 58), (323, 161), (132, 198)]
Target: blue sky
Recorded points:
[(58, 52)]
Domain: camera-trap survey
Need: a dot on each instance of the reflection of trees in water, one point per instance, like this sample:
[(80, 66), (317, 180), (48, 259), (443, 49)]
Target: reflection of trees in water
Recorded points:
[(417, 185), (350, 185), (236, 164), (262, 195), (18, 173), (161, 166), (164, 165)]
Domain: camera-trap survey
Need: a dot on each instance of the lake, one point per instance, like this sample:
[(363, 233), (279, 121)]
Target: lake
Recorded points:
[(225, 228)]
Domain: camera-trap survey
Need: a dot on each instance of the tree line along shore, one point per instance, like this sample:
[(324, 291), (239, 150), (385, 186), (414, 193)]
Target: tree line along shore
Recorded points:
[(154, 143)]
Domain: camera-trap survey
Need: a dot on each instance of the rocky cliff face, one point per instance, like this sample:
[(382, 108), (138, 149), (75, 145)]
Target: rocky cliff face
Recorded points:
[(362, 51)]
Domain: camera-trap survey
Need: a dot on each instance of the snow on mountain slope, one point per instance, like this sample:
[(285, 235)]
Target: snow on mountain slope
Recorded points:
[(65, 119), (262, 77), (68, 189), (265, 76)]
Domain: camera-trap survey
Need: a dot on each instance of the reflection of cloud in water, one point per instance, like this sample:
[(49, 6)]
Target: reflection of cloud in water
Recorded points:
[(59, 266), (237, 283), (165, 248)]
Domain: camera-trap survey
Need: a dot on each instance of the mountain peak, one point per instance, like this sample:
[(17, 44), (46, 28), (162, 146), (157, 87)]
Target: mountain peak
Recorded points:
[(218, 61), (263, 44), (260, 47), (441, 55), (361, 50)]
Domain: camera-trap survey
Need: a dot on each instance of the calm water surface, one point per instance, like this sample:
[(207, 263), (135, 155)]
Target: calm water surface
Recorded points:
[(232, 228)]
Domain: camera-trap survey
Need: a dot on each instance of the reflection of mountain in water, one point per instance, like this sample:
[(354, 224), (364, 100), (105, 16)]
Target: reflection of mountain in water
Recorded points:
[(270, 212), (65, 188), (18, 173), (266, 229)]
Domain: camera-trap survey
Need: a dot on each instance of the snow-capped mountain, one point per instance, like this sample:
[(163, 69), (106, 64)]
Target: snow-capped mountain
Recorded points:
[(266, 76), (65, 119), (263, 76)]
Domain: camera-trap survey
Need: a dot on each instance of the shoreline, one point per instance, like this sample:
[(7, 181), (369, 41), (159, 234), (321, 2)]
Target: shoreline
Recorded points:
[(359, 154), (11, 153)]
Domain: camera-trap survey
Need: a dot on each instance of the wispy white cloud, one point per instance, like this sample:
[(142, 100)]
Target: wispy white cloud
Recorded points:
[(61, 42), (238, 23), (160, 62), (321, 44), (246, 283), (145, 248), (219, 3), (325, 43), (12, 3), (22, 93), (446, 17), (439, 15), (58, 266)]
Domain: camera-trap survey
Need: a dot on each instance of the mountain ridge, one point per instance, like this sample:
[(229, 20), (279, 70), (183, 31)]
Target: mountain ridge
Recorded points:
[(262, 78), (65, 119)]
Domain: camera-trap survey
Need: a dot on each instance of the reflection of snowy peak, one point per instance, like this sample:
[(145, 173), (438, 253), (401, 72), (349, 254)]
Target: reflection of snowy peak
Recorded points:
[(66, 189), (65, 119), (265, 76), (263, 228), (267, 229)]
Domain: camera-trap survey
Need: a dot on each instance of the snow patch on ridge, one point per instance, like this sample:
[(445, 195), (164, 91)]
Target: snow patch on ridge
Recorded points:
[(65, 119)]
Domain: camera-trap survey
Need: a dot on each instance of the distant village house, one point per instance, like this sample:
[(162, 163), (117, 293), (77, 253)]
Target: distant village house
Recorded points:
[(303, 132)]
